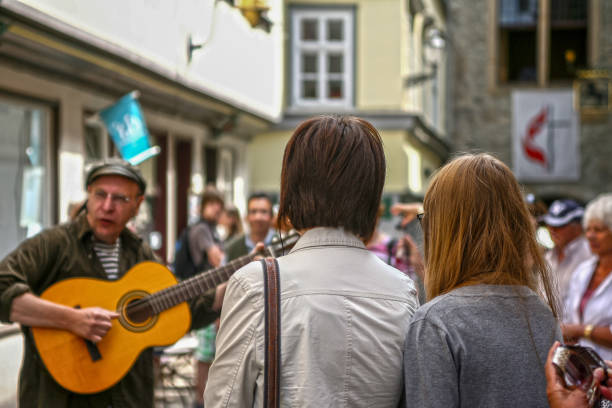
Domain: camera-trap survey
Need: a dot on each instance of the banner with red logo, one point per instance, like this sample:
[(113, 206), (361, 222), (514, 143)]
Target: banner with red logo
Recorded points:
[(545, 144)]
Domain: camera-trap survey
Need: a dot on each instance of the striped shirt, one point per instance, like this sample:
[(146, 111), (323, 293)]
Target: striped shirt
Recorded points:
[(109, 257)]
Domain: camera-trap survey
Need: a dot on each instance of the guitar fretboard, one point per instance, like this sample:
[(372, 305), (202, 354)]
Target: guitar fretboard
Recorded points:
[(196, 285)]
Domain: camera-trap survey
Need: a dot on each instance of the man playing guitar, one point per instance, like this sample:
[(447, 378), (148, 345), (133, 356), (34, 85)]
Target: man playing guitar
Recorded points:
[(96, 244)]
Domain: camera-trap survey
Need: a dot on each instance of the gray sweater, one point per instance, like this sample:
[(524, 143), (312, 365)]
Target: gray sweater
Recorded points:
[(479, 346)]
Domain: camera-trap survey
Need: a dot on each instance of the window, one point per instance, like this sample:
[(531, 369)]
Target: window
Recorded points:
[(568, 38), (533, 49), (322, 58), (25, 166), (518, 20), (225, 182), (98, 145)]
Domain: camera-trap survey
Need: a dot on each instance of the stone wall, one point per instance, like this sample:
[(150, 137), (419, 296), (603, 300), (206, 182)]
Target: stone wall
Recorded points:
[(480, 119)]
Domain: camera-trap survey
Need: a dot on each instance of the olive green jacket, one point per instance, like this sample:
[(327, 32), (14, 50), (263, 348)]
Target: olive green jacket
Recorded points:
[(66, 251)]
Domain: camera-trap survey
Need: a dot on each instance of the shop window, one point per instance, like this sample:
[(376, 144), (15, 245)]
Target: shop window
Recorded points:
[(27, 206), (226, 174), (210, 165), (97, 143)]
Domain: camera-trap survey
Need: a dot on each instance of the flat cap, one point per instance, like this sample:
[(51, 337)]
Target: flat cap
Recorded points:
[(116, 167)]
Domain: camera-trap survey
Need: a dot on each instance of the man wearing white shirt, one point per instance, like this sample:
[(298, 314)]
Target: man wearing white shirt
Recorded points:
[(563, 221)]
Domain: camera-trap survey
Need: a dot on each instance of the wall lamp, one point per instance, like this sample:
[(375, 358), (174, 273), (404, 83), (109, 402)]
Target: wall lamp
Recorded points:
[(253, 11), (435, 39)]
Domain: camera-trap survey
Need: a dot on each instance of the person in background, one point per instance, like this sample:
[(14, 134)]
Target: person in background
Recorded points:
[(343, 311), (230, 224), (563, 221), (407, 248), (383, 246), (537, 208), (589, 301), (402, 253), (98, 245), (259, 216), (206, 249), (259, 221), (482, 271), (205, 245)]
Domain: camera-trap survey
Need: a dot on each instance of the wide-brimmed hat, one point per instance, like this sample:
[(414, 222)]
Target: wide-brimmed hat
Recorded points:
[(116, 167), (562, 212)]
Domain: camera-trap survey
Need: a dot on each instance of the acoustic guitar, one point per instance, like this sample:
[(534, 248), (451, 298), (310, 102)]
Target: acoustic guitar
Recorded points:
[(152, 312)]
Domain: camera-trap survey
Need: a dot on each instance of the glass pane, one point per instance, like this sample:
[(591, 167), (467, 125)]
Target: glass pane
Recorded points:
[(517, 55), (335, 89), (567, 52), (335, 30), (514, 13), (335, 63), (309, 89), (310, 30), (93, 144), (568, 12), (24, 168), (310, 63)]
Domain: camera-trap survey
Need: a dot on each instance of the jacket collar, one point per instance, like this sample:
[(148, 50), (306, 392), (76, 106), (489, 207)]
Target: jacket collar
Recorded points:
[(325, 236)]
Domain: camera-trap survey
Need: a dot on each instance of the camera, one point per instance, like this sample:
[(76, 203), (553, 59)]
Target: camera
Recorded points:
[(575, 365)]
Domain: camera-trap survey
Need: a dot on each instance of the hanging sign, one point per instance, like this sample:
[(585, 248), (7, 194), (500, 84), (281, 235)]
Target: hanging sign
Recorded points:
[(545, 136), (125, 123)]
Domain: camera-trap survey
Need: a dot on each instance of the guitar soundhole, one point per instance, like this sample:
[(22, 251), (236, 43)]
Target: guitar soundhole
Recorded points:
[(138, 311), (136, 314)]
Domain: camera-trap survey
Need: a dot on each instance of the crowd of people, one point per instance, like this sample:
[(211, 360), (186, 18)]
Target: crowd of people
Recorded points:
[(470, 318)]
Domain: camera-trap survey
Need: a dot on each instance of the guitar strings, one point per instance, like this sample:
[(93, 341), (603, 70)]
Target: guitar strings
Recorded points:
[(175, 294)]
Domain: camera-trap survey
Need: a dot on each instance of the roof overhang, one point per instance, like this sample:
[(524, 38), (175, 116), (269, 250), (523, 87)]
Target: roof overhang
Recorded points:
[(40, 43), (384, 120)]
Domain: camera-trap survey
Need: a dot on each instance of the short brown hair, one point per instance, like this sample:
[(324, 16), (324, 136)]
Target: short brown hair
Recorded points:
[(333, 175), (210, 195), (478, 230)]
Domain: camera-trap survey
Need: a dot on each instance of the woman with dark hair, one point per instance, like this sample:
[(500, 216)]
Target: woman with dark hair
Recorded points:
[(344, 312), (483, 337)]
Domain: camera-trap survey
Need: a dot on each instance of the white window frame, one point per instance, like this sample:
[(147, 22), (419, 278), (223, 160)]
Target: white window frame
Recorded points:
[(322, 48)]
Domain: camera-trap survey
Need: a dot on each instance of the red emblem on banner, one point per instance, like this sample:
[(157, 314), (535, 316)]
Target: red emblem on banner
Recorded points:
[(531, 150)]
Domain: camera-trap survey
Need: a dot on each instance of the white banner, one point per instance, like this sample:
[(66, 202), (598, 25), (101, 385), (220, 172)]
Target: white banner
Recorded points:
[(545, 136)]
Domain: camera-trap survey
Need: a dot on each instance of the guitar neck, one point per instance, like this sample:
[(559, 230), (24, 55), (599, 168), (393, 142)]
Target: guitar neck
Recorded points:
[(196, 285)]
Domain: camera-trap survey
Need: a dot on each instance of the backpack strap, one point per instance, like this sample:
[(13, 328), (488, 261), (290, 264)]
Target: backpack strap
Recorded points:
[(271, 276)]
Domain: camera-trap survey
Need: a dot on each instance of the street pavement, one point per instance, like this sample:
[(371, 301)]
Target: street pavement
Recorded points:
[(11, 350), (175, 379)]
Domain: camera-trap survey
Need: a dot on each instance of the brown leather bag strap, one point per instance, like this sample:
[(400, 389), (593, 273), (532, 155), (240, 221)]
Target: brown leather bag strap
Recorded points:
[(272, 328)]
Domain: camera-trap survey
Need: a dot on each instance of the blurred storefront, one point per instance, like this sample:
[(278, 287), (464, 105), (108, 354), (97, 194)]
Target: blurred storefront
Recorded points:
[(381, 60), (60, 63)]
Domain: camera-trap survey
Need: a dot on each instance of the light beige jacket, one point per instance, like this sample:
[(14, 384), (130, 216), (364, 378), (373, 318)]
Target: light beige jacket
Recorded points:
[(344, 317)]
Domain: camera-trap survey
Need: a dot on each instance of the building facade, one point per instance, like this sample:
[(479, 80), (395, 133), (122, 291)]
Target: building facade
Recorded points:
[(382, 60), (208, 80), (504, 51)]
